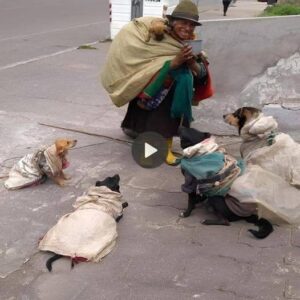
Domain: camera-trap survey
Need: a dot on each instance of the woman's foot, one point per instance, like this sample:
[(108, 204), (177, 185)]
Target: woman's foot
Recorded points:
[(171, 158)]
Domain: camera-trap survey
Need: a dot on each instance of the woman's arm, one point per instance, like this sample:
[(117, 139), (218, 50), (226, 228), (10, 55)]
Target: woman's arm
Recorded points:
[(197, 67)]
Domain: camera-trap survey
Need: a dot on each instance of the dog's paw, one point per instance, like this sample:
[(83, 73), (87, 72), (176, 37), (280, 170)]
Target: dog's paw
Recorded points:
[(61, 182), (67, 177)]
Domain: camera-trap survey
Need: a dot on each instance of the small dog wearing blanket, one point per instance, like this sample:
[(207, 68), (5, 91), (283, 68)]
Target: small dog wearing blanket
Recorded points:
[(90, 232), (34, 168)]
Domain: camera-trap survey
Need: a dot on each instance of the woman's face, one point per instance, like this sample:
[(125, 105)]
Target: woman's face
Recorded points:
[(184, 29)]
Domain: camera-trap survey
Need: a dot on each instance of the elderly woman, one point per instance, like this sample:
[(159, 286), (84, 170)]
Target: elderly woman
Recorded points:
[(157, 73)]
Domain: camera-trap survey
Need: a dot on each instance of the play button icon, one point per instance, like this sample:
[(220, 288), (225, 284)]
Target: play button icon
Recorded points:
[(149, 150)]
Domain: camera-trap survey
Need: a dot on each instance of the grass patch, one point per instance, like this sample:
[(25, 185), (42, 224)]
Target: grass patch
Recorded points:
[(281, 10), (88, 47)]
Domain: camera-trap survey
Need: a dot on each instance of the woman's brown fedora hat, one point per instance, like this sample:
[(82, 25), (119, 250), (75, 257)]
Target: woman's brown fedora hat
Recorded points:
[(186, 10)]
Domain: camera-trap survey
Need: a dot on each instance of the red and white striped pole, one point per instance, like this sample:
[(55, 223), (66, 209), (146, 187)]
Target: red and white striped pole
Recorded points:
[(110, 17), (110, 11)]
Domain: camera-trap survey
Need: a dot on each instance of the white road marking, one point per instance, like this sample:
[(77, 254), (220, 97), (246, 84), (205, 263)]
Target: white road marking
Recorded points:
[(50, 31), (10, 66)]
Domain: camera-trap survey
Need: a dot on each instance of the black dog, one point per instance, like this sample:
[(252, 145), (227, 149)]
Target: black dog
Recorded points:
[(225, 216), (191, 136), (217, 203), (113, 184)]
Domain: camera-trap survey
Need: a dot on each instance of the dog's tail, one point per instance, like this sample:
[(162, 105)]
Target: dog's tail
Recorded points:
[(264, 227), (51, 260)]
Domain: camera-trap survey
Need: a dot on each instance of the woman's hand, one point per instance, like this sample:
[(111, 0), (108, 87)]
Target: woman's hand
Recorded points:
[(183, 56), (194, 67)]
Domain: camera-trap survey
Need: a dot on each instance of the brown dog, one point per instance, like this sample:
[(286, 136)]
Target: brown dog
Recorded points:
[(60, 156), (34, 168), (157, 29)]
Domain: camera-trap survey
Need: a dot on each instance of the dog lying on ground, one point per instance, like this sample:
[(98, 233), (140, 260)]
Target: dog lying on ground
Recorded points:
[(226, 208), (89, 233), (34, 168)]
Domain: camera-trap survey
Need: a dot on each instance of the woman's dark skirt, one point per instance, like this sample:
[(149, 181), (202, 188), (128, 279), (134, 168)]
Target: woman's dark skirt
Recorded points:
[(158, 120)]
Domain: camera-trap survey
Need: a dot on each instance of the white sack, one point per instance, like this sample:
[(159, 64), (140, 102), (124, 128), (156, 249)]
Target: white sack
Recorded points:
[(282, 158), (272, 175), (260, 126), (209, 145), (277, 200)]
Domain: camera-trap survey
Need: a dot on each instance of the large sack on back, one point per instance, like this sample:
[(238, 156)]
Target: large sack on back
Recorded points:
[(133, 60)]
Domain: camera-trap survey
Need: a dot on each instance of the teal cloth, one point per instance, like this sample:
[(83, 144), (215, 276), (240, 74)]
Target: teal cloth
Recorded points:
[(155, 86), (183, 93), (204, 166), (242, 165)]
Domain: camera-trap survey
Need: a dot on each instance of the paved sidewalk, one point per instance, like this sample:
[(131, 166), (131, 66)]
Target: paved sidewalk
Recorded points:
[(241, 9)]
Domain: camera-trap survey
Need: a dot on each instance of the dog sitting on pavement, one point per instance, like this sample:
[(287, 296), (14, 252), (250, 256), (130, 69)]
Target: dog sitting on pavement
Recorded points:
[(46, 162), (226, 208), (89, 233)]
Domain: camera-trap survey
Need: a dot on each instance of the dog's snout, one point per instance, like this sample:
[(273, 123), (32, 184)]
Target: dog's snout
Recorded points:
[(224, 116)]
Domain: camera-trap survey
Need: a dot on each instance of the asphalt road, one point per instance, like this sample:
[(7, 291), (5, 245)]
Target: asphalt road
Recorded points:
[(37, 28)]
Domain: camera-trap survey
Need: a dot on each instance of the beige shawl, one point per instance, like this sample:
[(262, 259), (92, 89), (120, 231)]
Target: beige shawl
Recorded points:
[(132, 60)]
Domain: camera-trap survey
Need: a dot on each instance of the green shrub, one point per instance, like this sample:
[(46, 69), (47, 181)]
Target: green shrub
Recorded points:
[(281, 10), (293, 2)]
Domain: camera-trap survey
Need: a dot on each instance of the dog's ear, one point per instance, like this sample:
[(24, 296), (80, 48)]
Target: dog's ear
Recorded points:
[(60, 146), (241, 112), (242, 121), (116, 178), (64, 144)]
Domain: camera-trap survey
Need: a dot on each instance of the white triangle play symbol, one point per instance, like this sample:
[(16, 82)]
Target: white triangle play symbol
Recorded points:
[(149, 150)]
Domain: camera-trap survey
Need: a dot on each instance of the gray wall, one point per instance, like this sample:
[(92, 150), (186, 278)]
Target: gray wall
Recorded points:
[(242, 50)]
